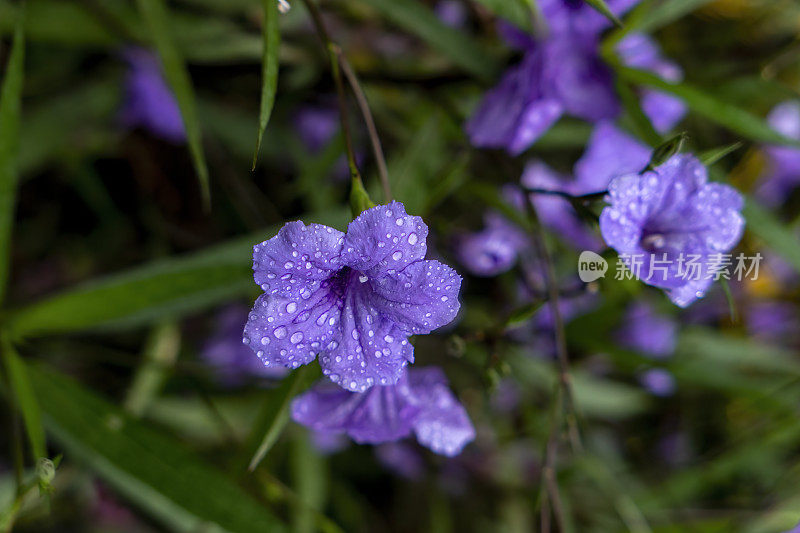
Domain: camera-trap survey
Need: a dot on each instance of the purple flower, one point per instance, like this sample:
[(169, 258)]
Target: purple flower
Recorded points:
[(664, 110), (556, 213), (402, 459), (772, 321), (609, 153), (559, 74), (647, 332), (783, 165), (672, 215), (420, 402), (317, 125), (234, 363), (149, 102), (352, 298), (658, 381), (452, 13), (493, 250)]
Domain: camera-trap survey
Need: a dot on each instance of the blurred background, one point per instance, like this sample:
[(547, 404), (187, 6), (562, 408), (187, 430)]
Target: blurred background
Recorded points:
[(127, 293)]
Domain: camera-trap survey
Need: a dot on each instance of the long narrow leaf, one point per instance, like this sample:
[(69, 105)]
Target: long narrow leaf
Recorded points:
[(414, 17), (151, 469), (723, 113), (24, 398), (666, 12), (10, 110), (275, 412), (763, 224), (515, 11), (155, 14), (269, 82), (601, 7), (165, 288)]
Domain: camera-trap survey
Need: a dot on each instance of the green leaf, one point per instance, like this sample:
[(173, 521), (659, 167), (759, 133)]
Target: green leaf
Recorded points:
[(518, 12), (709, 157), (636, 119), (275, 413), (149, 468), (521, 314), (601, 7), (161, 289), (24, 398), (728, 115), (414, 17), (309, 476), (10, 111), (666, 12), (269, 83), (165, 288), (155, 14), (762, 223)]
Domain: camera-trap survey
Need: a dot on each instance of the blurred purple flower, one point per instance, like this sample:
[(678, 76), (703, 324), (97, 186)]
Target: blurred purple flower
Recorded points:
[(772, 321), (783, 165), (234, 362), (658, 381), (673, 214), (328, 443), (647, 332), (402, 459), (493, 250), (452, 13), (317, 125), (420, 402), (554, 212), (149, 102), (640, 51), (352, 298), (609, 153)]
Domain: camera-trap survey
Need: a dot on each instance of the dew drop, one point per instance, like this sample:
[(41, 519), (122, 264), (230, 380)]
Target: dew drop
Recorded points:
[(397, 255), (296, 337), (412, 239), (291, 307), (280, 332)]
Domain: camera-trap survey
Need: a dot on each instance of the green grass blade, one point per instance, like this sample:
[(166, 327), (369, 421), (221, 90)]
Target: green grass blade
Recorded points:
[(414, 17), (163, 289), (149, 468), (601, 7), (10, 110), (709, 157), (762, 223), (269, 82), (24, 398), (518, 12), (275, 413), (155, 14), (667, 12), (728, 115)]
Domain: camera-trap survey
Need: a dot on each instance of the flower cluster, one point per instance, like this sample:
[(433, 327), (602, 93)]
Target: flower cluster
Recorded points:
[(563, 73)]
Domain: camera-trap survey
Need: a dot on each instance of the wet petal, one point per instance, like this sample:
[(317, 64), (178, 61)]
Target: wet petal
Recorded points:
[(294, 262), (291, 332), (371, 350), (384, 238), (419, 298), (442, 423)]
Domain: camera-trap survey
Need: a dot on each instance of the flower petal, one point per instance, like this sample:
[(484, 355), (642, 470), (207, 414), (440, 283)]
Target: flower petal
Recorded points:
[(442, 423), (609, 153), (383, 238), (419, 298), (294, 262), (370, 350), (379, 415), (291, 332)]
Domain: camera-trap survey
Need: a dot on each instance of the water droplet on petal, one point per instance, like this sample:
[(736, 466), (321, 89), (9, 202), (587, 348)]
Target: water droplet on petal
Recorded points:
[(412, 239), (280, 332), (296, 337)]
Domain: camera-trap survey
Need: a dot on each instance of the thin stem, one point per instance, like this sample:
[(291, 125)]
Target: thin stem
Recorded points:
[(330, 51), (363, 105), (572, 197)]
